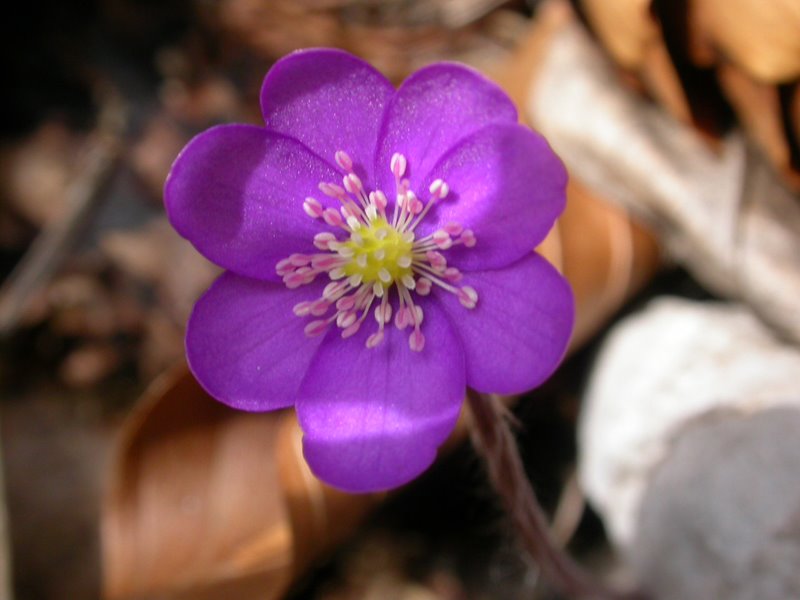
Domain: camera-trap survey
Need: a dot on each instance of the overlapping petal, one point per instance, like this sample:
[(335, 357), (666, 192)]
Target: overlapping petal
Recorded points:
[(373, 419), (433, 109), (246, 347), (330, 101), (236, 192), (518, 332), (507, 185)]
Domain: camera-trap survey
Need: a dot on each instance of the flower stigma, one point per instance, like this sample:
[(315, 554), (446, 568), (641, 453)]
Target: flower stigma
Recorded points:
[(378, 252)]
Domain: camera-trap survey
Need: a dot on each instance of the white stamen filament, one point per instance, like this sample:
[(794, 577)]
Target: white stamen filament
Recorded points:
[(377, 255)]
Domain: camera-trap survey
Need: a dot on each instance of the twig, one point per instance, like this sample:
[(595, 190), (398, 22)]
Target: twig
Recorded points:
[(494, 440), (51, 247)]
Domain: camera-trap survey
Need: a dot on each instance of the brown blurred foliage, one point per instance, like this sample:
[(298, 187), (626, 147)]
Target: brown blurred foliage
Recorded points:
[(713, 63)]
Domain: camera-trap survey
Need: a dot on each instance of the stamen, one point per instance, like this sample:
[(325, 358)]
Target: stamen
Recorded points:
[(439, 189), (323, 240), (316, 328), (332, 190), (352, 183), (312, 207), (423, 286), (332, 217), (375, 255), (301, 309), (343, 160), (375, 339), (442, 239), (319, 307), (453, 228), (416, 341), (398, 165), (467, 238), (468, 296)]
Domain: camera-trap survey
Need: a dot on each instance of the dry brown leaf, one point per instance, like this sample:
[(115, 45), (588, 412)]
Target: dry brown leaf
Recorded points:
[(625, 27), (36, 172), (156, 255), (88, 364), (758, 107), (763, 38), (699, 58), (209, 502), (153, 153)]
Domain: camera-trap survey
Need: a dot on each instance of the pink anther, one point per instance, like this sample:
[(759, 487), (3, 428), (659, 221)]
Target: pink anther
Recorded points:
[(352, 183), (402, 318), (452, 274), (379, 199), (383, 313), (323, 240), (283, 267), (332, 217), (315, 328), (343, 160), (453, 228), (416, 341), (294, 280), (351, 330), (319, 307), (423, 286), (302, 309), (345, 319), (468, 238), (333, 290), (437, 260), (324, 261), (468, 296), (331, 189), (442, 239), (375, 339), (439, 189), (346, 303), (312, 207), (398, 165), (299, 260)]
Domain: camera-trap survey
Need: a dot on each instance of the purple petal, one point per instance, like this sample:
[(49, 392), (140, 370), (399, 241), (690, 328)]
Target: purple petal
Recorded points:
[(374, 418), (508, 186), (236, 192), (246, 347), (435, 108), (517, 334), (329, 100)]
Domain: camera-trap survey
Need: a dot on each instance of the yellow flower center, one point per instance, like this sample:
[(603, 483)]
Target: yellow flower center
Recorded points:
[(380, 253)]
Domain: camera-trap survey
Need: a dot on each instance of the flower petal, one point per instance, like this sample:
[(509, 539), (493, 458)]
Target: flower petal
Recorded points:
[(508, 186), (236, 192), (244, 344), (517, 334), (435, 108), (373, 418), (329, 100)]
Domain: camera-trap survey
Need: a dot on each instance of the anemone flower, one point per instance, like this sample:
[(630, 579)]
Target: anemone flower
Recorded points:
[(378, 246)]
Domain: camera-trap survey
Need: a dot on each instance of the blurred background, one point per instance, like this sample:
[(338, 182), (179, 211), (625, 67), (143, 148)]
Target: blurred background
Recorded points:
[(664, 448)]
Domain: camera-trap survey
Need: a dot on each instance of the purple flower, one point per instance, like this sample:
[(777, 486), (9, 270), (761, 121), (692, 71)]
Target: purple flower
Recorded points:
[(378, 246)]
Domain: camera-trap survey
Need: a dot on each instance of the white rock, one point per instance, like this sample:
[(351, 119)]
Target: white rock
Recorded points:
[(659, 370)]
